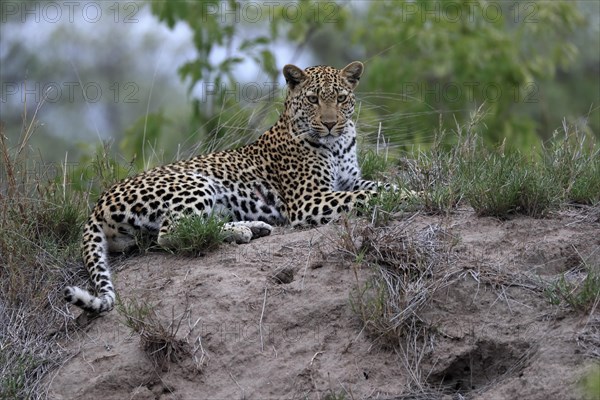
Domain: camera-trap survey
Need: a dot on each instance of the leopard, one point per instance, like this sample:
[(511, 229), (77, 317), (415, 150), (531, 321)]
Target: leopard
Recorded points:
[(301, 172)]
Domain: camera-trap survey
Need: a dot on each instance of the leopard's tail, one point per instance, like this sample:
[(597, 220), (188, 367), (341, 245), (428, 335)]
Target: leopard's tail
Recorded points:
[(95, 258)]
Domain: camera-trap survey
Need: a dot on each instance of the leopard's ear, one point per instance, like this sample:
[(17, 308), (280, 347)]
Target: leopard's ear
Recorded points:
[(293, 75), (352, 73)]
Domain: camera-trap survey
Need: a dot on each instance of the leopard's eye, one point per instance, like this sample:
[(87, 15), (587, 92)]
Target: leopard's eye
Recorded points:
[(312, 98), (341, 98)]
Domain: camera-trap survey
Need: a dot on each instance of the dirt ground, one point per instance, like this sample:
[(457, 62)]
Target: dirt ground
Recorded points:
[(247, 335)]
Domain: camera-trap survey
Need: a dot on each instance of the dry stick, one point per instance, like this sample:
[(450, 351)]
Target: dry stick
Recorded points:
[(262, 314), (198, 340), (238, 385), (307, 261), (315, 356)]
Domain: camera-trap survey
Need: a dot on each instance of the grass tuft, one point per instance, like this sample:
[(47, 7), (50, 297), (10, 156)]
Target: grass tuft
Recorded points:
[(41, 223), (500, 182), (373, 164), (158, 339), (578, 289), (573, 159), (406, 274), (161, 337), (389, 204), (197, 234), (500, 185)]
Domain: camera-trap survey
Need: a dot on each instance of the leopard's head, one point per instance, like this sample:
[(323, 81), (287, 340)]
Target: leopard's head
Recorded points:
[(320, 100)]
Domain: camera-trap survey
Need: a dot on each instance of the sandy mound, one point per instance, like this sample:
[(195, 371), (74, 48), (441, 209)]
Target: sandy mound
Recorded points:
[(273, 319)]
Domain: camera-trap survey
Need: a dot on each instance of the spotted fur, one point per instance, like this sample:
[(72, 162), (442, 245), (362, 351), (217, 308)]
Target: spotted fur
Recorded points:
[(302, 171)]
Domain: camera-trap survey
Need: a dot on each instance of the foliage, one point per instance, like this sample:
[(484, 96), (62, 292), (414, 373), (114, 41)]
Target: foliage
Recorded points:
[(215, 23), (302, 20), (196, 234), (216, 26), (434, 57)]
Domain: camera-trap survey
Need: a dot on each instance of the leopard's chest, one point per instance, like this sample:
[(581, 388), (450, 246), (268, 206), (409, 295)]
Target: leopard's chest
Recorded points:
[(344, 166)]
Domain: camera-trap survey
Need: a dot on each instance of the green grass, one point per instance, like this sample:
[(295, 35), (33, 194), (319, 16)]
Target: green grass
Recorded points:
[(573, 159), (496, 182), (197, 234), (389, 204), (573, 291), (591, 383), (501, 185), (40, 225), (374, 164)]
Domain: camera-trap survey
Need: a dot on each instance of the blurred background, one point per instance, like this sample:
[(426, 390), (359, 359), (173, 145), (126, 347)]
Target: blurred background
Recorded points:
[(156, 81)]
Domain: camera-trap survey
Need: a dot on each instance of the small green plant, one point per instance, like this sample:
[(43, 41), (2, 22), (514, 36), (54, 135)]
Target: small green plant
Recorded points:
[(581, 295), (591, 383), (574, 161), (197, 234), (373, 164), (333, 395)]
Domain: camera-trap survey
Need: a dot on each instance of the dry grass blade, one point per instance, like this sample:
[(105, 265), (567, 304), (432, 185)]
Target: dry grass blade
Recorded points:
[(407, 272), (39, 249), (158, 339)]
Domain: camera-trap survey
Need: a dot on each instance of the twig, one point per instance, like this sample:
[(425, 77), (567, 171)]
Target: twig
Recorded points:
[(315, 356), (262, 314), (306, 264), (238, 385)]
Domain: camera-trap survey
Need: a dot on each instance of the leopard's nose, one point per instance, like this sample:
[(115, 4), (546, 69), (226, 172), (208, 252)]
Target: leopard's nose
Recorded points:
[(329, 125)]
